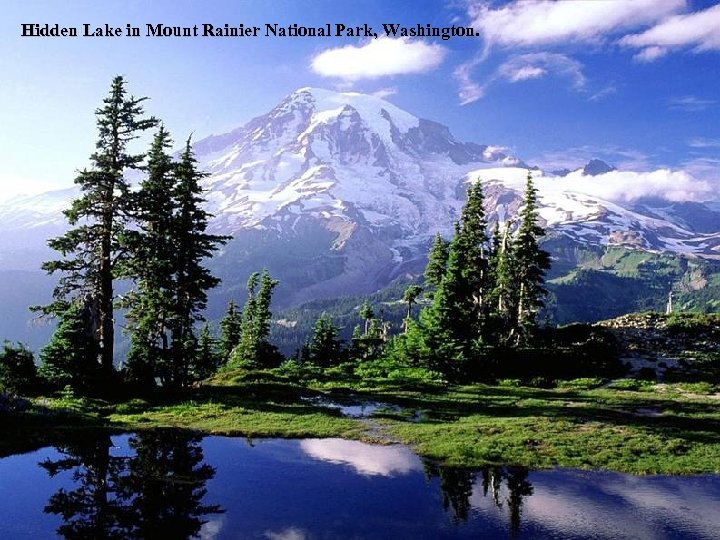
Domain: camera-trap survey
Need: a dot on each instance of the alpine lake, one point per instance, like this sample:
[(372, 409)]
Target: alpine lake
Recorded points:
[(366, 465), (170, 483)]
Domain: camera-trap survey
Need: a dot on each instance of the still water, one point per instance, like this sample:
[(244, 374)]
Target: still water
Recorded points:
[(170, 484)]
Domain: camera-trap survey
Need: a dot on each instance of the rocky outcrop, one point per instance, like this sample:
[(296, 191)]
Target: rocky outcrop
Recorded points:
[(676, 345)]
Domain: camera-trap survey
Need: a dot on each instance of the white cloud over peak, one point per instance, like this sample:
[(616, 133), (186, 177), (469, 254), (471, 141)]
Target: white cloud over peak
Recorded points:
[(626, 186), (576, 157), (699, 30), (544, 22), (385, 92), (379, 58), (615, 186)]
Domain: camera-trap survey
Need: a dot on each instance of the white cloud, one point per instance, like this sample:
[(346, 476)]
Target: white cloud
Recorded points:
[(385, 92), (633, 506), (650, 54), (703, 142), (614, 186), (605, 92), (700, 30), (211, 529), (519, 68), (692, 103), (469, 89), (624, 186), (12, 186), (379, 58), (526, 72), (543, 22), (534, 65), (707, 168), (366, 459)]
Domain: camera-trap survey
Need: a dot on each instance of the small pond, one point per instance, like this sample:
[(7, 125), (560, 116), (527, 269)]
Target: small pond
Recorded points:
[(173, 484)]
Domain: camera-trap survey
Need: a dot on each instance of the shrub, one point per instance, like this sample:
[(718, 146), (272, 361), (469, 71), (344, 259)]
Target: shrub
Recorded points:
[(18, 374)]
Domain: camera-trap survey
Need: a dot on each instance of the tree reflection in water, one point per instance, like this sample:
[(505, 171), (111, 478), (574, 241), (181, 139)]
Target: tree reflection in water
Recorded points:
[(155, 493), (456, 484)]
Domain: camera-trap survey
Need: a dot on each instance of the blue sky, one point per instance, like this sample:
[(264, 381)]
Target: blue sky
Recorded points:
[(634, 82)]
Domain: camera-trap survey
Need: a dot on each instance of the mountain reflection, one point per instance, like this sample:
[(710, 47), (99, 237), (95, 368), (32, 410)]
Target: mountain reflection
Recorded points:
[(155, 493), (506, 485)]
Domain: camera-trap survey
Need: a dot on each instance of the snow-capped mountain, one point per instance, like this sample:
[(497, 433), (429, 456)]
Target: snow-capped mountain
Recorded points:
[(355, 162), (344, 157), (338, 193)]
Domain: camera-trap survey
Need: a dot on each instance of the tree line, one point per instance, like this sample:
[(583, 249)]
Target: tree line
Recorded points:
[(482, 292)]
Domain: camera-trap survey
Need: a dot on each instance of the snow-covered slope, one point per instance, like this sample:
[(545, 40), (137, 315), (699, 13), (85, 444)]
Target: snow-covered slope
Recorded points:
[(653, 225), (358, 161), (342, 156)]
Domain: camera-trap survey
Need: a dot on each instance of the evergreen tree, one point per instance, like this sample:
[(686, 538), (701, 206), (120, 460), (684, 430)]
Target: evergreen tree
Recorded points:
[(473, 241), (193, 246), (437, 263), (152, 265), (90, 248), (18, 374), (454, 325), (324, 348), (504, 294), (448, 325), (530, 263), (230, 330), (253, 349), (168, 249), (206, 359), (71, 356)]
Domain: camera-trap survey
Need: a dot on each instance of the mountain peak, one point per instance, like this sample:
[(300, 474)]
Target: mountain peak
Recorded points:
[(375, 111), (596, 166)]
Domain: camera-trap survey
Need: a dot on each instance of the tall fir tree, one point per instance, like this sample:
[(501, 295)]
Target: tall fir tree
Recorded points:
[(472, 239), (230, 330), (193, 246), (167, 249), (453, 326), (366, 314), (448, 324), (410, 296), (530, 264), (504, 293), (90, 248), (437, 263), (152, 266)]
